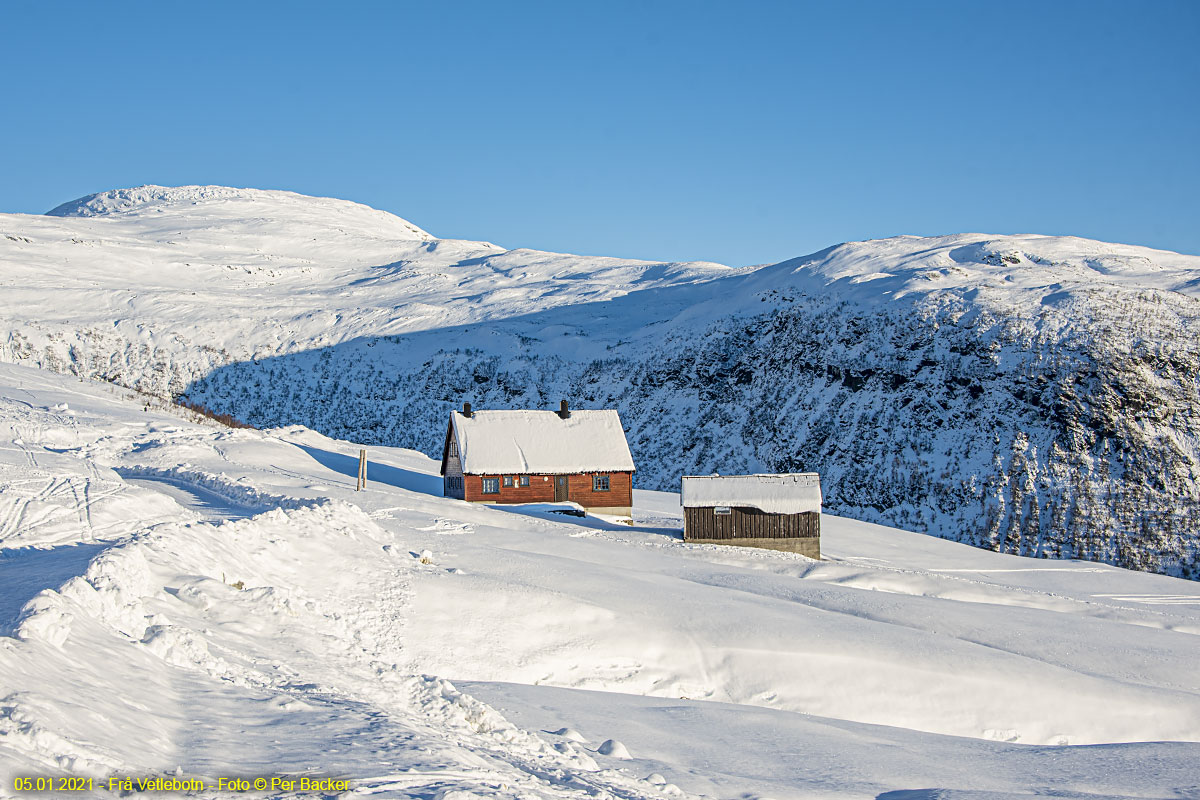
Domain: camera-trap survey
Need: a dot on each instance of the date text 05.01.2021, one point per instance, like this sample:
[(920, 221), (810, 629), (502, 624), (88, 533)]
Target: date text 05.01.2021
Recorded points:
[(59, 784)]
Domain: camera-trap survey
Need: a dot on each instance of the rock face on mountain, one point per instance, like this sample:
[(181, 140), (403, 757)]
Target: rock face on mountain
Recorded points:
[(1030, 394)]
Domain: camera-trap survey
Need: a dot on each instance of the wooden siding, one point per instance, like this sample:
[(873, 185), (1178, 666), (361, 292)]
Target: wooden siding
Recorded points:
[(619, 494), (452, 477), (749, 523), (452, 486), (446, 445), (541, 490), (538, 490)]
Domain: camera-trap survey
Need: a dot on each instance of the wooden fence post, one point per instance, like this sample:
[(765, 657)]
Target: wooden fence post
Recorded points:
[(362, 471)]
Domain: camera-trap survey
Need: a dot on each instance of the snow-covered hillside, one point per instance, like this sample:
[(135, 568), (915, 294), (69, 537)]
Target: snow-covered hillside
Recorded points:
[(1030, 394), (156, 286), (194, 602)]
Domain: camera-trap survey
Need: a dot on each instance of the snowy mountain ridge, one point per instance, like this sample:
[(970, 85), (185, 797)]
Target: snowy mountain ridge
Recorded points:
[(231, 203), (1031, 394), (888, 269)]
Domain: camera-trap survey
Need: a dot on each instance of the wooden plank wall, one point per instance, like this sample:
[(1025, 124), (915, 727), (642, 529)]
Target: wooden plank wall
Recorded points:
[(620, 490), (541, 490), (749, 523)]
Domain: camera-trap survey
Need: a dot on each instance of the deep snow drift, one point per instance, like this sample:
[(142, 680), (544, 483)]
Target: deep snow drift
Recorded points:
[(1030, 394), (183, 598)]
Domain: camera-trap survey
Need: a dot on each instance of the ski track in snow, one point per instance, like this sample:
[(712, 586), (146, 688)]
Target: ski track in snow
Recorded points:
[(179, 597)]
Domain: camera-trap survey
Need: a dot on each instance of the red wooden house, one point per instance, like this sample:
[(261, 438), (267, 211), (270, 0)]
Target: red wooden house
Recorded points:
[(539, 457)]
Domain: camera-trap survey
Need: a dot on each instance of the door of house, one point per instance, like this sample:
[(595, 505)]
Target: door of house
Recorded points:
[(560, 488)]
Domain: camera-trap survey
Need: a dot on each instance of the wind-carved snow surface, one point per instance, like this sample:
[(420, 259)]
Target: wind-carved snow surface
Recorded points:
[(319, 630), (1029, 394)]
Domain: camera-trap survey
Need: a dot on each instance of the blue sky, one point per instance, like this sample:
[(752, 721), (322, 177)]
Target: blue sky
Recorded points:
[(736, 132)]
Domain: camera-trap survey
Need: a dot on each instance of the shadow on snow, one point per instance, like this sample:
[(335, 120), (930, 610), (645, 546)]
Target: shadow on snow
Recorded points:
[(376, 472), (26, 571)]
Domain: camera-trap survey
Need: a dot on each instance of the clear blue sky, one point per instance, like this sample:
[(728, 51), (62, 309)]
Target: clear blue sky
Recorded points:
[(736, 132)]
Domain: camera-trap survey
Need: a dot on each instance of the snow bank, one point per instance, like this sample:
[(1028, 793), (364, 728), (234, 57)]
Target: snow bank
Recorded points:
[(270, 624), (238, 493), (775, 494)]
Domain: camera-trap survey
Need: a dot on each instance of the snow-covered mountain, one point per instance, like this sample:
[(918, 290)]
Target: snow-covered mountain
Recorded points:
[(1031, 394), (189, 602)]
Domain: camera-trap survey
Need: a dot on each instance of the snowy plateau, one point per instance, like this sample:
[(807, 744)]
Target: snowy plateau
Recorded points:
[(187, 601)]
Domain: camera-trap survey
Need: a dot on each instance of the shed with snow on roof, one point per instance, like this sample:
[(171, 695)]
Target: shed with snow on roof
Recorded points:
[(528, 456), (780, 512)]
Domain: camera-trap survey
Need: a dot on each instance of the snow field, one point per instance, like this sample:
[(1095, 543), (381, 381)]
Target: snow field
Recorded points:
[(722, 750), (653, 623), (262, 644), (316, 631)]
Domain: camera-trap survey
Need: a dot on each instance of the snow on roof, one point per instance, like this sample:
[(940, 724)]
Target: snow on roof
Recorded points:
[(775, 494), (498, 442)]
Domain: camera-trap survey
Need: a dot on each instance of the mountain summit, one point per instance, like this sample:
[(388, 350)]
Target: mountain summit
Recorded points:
[(230, 203)]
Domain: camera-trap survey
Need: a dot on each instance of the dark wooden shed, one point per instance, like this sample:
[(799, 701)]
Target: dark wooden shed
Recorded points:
[(780, 512)]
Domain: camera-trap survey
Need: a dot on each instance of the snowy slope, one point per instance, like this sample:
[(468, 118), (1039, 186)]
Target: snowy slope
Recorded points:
[(1030, 394), (182, 599), (156, 285)]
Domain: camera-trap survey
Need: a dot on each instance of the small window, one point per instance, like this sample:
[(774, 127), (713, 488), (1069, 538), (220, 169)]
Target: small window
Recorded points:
[(524, 480), (722, 511), (508, 481), (453, 447), (599, 483), (491, 486)]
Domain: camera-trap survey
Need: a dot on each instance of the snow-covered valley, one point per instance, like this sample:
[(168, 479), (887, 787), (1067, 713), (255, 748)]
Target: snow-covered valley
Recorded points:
[(193, 601), (1029, 394)]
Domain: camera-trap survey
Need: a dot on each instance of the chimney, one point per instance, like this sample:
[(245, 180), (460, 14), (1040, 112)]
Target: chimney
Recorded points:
[(466, 410), (562, 410)]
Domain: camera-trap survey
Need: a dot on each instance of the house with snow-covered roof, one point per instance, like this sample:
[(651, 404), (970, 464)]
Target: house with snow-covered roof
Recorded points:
[(528, 456), (780, 512)]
